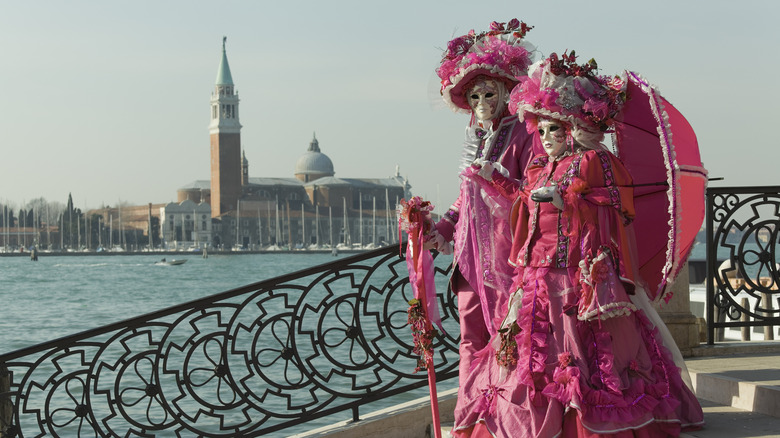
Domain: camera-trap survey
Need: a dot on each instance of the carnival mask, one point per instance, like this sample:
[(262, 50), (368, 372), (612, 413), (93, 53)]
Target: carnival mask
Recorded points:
[(484, 99), (553, 135)]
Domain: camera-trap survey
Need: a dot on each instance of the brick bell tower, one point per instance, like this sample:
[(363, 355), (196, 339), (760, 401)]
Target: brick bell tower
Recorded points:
[(225, 133)]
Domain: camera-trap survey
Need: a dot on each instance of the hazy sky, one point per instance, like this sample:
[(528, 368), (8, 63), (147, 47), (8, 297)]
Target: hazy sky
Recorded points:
[(109, 101)]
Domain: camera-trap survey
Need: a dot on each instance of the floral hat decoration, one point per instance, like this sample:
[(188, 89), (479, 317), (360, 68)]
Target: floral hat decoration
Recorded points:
[(560, 89), (500, 53)]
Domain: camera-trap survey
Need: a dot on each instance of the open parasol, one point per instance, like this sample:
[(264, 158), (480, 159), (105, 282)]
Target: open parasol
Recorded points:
[(658, 146)]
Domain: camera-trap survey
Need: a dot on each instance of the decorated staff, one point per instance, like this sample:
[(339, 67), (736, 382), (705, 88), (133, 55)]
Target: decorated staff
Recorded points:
[(414, 218)]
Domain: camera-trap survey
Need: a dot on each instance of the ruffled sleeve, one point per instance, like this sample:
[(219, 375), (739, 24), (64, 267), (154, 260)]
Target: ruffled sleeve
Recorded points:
[(609, 183), (610, 191)]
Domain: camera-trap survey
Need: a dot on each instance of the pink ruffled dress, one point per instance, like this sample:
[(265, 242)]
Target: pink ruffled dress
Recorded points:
[(576, 356)]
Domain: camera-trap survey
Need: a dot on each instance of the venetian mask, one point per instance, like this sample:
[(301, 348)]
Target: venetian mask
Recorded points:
[(484, 99), (553, 135)]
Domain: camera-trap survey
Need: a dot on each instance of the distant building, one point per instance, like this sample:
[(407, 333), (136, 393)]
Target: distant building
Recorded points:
[(225, 133), (313, 208), (127, 227), (186, 221)]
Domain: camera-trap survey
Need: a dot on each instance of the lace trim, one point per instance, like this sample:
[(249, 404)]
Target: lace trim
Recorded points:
[(671, 265), (545, 113), (564, 241), (497, 148), (611, 310), (609, 180)]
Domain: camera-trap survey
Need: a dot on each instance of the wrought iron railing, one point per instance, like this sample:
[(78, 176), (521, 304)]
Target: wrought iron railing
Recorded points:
[(742, 228), (247, 362)]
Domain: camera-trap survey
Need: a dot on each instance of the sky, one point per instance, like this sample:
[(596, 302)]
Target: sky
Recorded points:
[(109, 101)]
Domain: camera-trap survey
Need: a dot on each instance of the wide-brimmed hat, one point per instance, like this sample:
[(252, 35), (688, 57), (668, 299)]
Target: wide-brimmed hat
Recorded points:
[(500, 53), (558, 88)]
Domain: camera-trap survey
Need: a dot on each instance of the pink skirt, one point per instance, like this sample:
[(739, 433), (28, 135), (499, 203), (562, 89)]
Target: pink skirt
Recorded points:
[(574, 376)]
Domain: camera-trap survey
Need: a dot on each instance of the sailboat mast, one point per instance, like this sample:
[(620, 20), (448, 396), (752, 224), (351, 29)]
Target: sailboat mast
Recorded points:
[(303, 229), (278, 231), (347, 240), (387, 215)]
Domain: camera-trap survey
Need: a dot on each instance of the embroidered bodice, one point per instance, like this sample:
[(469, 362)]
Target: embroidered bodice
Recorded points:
[(546, 236)]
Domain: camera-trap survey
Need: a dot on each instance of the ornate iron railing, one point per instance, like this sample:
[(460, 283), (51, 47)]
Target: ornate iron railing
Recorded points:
[(742, 228), (247, 362)]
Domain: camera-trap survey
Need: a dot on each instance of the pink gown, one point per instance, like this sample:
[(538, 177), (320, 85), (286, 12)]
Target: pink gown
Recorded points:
[(481, 278), (586, 361)]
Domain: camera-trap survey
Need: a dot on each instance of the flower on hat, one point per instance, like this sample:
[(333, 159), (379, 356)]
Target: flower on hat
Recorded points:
[(500, 53), (559, 88)]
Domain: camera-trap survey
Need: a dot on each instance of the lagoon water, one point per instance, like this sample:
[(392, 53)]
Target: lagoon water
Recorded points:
[(63, 295)]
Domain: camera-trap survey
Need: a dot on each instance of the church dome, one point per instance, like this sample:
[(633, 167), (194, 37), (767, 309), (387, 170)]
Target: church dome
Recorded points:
[(313, 164)]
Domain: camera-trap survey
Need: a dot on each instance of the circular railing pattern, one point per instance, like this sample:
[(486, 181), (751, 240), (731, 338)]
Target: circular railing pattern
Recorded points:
[(745, 232), (246, 362)]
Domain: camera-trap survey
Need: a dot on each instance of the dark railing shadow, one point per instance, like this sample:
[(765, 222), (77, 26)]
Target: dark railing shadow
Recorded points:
[(742, 226), (251, 361)]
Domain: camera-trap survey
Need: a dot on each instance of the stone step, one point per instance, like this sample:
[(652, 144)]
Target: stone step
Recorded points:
[(722, 422), (750, 382), (730, 422)]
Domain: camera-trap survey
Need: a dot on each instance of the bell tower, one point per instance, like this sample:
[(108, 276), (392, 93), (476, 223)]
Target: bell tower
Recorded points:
[(225, 133)]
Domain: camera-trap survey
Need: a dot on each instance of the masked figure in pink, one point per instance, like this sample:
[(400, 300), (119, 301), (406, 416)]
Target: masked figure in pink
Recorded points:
[(477, 72), (578, 353)]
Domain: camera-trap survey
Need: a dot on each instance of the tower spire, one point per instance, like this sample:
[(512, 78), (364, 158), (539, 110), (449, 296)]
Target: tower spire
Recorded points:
[(225, 133), (223, 73)]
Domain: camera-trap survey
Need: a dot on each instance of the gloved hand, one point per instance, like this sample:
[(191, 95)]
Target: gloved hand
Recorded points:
[(438, 243), (548, 194), (486, 171)]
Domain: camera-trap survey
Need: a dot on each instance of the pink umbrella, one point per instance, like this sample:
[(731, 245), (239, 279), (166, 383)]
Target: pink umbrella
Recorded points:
[(658, 146)]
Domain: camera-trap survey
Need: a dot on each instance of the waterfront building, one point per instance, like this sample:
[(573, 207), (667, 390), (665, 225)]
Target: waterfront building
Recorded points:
[(124, 227), (313, 208), (225, 135), (186, 225), (232, 210)]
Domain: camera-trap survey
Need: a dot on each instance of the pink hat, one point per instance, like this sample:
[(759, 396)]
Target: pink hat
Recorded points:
[(562, 90), (500, 53)]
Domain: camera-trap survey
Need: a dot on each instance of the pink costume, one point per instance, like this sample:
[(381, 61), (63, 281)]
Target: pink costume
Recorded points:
[(481, 278), (577, 356)]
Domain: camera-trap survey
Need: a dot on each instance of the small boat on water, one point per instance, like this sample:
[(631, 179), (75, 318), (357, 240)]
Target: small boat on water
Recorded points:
[(173, 262)]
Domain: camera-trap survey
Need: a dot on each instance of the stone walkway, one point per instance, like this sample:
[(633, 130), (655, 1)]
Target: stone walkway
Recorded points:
[(739, 387)]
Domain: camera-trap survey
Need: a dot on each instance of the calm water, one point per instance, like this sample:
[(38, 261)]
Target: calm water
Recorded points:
[(62, 295)]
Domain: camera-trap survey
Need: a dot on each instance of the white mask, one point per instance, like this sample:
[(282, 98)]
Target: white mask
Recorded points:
[(484, 100), (553, 135)]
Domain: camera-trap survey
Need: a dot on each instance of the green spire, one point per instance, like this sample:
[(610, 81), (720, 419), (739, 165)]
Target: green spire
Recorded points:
[(223, 74)]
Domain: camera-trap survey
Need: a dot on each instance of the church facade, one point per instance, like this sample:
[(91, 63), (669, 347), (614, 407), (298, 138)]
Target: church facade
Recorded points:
[(312, 208)]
